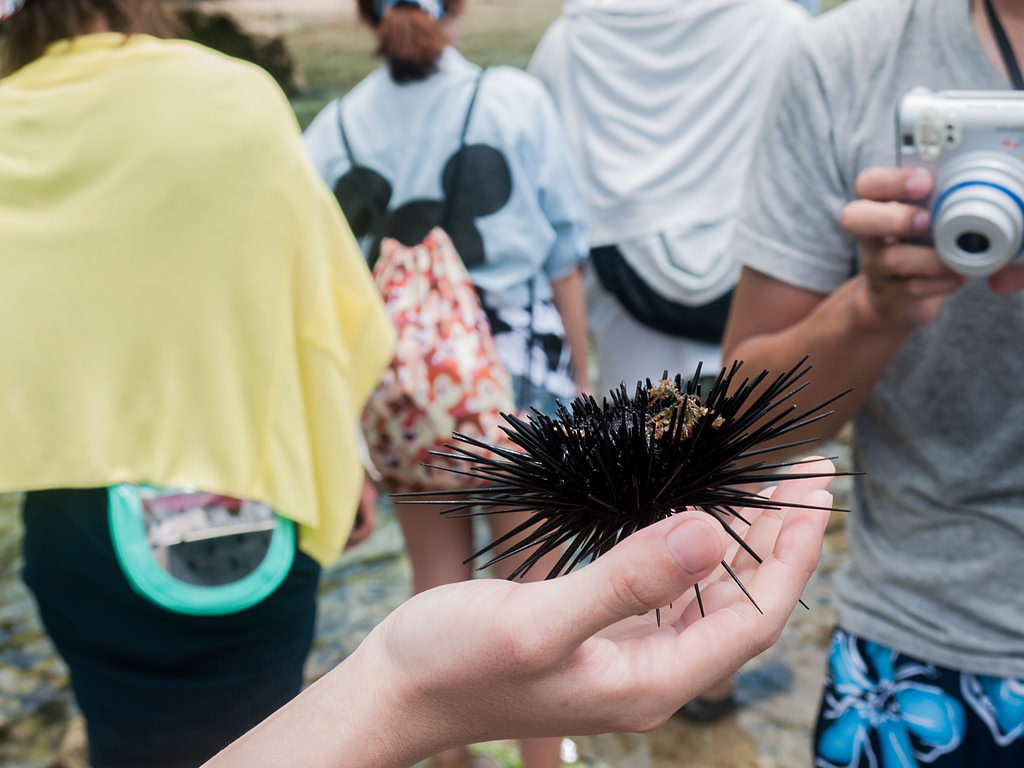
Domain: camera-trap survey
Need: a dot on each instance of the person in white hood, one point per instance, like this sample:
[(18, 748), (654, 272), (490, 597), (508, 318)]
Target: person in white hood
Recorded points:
[(661, 100)]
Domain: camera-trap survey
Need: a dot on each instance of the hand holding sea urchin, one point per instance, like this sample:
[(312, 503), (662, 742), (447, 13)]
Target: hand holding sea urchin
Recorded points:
[(596, 473)]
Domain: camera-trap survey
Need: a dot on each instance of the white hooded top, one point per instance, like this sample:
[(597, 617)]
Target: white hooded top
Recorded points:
[(661, 101)]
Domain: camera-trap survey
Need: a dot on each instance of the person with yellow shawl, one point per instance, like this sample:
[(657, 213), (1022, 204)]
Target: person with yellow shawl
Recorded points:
[(188, 336)]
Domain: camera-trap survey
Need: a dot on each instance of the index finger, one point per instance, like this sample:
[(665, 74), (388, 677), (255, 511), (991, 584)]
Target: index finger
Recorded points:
[(815, 473), (894, 184), (706, 650), (878, 220)]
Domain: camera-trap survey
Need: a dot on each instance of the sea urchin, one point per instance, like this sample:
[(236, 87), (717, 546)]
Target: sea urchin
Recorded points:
[(596, 473)]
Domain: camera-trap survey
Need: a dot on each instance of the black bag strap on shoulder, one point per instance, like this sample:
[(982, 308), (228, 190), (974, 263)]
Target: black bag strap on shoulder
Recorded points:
[(449, 204), (344, 134), (1005, 49), (347, 143), (469, 108), (366, 195)]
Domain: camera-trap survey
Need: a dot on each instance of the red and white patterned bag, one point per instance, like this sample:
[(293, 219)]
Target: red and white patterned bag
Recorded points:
[(445, 376)]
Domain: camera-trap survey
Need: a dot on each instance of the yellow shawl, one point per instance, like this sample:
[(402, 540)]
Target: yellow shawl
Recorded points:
[(181, 302)]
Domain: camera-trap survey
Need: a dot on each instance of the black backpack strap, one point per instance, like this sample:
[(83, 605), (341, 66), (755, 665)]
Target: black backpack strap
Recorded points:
[(469, 109), (344, 135), (462, 137), (457, 170)]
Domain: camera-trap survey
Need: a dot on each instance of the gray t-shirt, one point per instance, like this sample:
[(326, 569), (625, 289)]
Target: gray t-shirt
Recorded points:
[(937, 531)]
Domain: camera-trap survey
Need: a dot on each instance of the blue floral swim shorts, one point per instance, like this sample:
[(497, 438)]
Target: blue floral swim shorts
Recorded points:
[(882, 709)]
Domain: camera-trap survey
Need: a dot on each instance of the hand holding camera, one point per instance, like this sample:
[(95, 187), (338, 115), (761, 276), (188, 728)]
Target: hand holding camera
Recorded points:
[(953, 209), (903, 280), (972, 142)]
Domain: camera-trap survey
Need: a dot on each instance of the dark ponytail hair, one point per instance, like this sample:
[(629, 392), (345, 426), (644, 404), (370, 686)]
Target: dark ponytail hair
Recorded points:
[(409, 38), (41, 22)]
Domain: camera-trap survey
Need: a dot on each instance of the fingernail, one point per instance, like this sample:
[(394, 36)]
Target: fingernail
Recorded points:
[(919, 183), (696, 546), (921, 221)]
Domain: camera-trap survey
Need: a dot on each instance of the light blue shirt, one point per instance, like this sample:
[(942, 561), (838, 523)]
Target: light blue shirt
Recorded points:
[(531, 230)]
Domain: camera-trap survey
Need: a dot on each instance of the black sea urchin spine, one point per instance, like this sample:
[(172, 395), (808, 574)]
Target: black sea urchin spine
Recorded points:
[(596, 473)]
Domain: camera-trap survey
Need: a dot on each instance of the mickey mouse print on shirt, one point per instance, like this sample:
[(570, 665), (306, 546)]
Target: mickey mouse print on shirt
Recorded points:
[(476, 181)]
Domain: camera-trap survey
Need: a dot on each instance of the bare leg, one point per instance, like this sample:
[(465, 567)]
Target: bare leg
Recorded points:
[(436, 545), (537, 753), (541, 753)]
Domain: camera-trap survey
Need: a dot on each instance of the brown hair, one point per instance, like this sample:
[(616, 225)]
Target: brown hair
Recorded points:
[(41, 22), (411, 40)]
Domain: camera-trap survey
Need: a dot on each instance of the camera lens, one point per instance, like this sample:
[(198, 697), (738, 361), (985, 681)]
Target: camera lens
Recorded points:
[(978, 213), (973, 242)]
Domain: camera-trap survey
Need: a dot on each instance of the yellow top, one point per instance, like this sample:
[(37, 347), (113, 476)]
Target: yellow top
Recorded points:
[(181, 302)]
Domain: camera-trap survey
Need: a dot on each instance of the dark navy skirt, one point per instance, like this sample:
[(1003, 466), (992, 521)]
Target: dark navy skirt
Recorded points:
[(157, 688)]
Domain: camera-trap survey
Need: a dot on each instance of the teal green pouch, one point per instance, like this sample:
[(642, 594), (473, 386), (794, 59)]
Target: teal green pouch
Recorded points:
[(199, 553)]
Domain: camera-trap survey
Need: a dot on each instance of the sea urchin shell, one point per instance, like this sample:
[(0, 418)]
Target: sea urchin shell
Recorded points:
[(596, 473)]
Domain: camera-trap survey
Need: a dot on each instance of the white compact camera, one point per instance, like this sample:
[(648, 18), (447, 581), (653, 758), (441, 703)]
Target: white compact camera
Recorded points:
[(972, 142)]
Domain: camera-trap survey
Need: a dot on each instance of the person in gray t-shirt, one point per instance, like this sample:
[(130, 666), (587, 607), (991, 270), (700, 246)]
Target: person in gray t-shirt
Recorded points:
[(928, 662)]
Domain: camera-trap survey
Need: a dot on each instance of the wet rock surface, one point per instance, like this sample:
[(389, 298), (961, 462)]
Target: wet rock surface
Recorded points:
[(777, 692)]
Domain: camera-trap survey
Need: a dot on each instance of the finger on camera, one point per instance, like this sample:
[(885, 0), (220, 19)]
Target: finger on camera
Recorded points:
[(927, 287), (1007, 280), (884, 184), (904, 314), (903, 261), (870, 219)]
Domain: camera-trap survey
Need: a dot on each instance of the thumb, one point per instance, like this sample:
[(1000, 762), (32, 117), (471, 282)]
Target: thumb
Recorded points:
[(648, 570), (1007, 280)]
